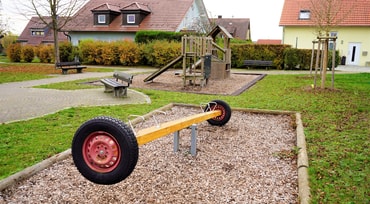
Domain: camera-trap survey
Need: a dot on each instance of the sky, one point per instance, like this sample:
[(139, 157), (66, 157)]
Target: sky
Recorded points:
[(10, 15), (264, 15)]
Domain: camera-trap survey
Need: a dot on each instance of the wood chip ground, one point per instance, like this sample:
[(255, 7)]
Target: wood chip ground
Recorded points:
[(249, 160)]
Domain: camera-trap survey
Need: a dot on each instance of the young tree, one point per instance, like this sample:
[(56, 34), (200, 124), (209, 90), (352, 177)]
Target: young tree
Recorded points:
[(53, 13), (326, 15)]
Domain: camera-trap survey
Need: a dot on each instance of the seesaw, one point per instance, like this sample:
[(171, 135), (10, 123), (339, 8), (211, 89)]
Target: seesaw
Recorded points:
[(105, 150)]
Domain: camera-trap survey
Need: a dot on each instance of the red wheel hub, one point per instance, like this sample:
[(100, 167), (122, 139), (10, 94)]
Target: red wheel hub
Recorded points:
[(220, 108), (101, 152)]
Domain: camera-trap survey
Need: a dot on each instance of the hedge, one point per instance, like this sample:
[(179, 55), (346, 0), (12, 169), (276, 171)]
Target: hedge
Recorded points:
[(241, 52), (158, 53), (149, 36), (301, 58)]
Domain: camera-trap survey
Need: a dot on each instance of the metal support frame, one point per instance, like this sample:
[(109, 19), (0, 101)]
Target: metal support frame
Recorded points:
[(193, 141), (193, 144), (176, 141)]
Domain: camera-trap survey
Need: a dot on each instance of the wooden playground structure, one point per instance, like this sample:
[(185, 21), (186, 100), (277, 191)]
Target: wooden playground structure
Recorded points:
[(202, 59)]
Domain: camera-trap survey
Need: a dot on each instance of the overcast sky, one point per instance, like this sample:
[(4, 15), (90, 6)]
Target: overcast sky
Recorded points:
[(264, 15), (15, 22)]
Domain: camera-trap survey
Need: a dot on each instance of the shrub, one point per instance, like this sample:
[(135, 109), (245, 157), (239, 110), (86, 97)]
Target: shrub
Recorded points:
[(87, 51), (28, 53), (330, 59), (14, 52), (291, 58), (46, 53), (97, 56), (8, 40), (129, 53), (158, 53), (109, 53), (65, 52)]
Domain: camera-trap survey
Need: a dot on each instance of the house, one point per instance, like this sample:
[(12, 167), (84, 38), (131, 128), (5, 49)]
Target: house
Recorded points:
[(37, 32), (352, 28), (239, 28), (112, 20)]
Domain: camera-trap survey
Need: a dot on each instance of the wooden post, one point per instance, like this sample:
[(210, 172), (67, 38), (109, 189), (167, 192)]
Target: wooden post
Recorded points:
[(184, 47), (324, 59), (317, 61), (312, 55), (333, 62), (325, 63)]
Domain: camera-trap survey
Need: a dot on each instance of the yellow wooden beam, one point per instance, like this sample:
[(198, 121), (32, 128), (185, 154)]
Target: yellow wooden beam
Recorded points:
[(149, 134)]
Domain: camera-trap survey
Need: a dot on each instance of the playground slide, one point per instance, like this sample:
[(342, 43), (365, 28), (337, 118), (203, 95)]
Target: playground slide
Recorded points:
[(163, 69)]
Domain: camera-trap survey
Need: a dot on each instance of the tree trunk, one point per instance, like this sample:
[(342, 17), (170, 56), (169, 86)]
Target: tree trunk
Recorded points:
[(56, 46)]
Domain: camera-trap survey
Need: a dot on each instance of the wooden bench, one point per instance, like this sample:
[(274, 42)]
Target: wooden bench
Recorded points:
[(118, 88), (65, 66), (258, 63)]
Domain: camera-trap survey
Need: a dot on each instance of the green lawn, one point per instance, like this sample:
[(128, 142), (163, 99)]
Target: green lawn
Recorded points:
[(336, 127)]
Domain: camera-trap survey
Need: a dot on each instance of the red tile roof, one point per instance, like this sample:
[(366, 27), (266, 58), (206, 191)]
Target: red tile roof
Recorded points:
[(137, 5), (106, 7), (166, 15), (237, 27), (268, 42), (36, 24), (352, 13)]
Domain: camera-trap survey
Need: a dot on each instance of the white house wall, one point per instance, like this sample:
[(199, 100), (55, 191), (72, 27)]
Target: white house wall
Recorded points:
[(302, 37), (76, 37)]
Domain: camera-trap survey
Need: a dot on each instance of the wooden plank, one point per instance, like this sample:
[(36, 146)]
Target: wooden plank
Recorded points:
[(149, 134)]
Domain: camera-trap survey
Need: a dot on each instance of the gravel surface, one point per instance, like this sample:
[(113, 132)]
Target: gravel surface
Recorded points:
[(168, 81), (249, 160)]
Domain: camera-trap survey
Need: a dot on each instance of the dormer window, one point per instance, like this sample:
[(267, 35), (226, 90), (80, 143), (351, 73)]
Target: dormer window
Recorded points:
[(105, 14), (131, 18), (304, 15), (37, 32), (102, 19), (133, 14)]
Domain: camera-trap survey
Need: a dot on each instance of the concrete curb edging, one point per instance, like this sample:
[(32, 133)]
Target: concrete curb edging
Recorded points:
[(302, 163)]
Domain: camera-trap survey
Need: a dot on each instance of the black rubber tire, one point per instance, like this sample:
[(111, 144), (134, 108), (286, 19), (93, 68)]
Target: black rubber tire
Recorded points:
[(124, 139), (225, 112)]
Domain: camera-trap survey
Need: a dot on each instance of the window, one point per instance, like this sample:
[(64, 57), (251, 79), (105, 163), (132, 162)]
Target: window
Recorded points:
[(130, 18), (37, 33), (331, 43), (304, 14), (101, 19)]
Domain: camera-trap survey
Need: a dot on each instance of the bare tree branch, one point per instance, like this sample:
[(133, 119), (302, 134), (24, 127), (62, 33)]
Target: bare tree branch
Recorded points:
[(53, 13), (326, 16)]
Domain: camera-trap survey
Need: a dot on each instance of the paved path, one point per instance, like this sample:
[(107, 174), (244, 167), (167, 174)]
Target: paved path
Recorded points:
[(341, 69), (19, 101)]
